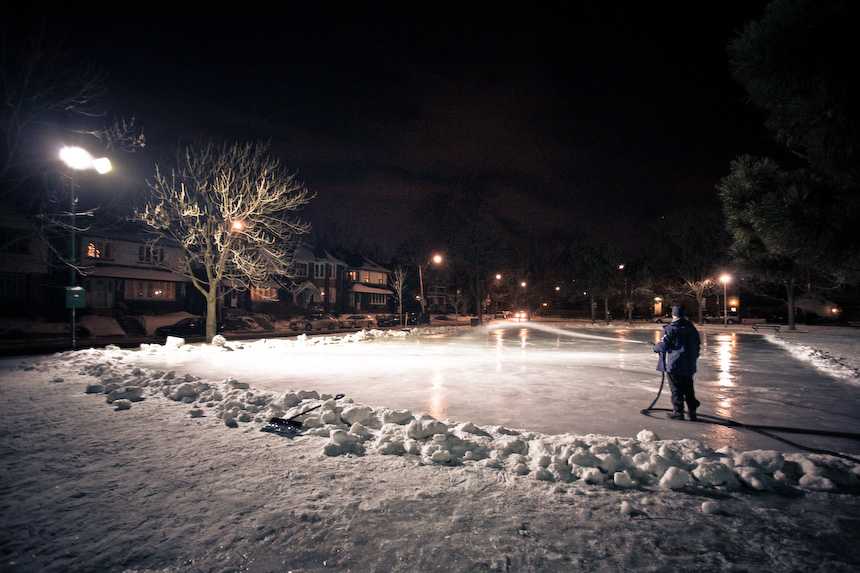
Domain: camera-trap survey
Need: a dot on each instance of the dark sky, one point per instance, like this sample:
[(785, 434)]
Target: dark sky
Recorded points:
[(589, 117)]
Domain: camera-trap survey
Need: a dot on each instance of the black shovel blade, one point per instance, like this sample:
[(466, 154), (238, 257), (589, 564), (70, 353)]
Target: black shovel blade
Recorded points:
[(288, 430), (283, 422)]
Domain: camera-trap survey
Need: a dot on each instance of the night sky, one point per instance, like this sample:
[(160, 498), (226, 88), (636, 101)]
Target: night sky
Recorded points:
[(594, 118)]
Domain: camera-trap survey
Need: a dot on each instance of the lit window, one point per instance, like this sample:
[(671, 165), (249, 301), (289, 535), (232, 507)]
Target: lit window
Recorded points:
[(93, 251)]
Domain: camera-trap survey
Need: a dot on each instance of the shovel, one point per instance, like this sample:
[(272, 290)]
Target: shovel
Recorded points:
[(290, 427)]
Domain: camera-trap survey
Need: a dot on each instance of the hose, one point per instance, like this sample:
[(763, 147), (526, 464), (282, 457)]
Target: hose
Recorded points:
[(762, 429)]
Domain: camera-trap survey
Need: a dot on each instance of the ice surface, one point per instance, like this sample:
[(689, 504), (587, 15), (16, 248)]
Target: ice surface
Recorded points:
[(525, 378)]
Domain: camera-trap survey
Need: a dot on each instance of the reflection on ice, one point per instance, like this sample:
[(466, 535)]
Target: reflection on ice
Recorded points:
[(526, 377)]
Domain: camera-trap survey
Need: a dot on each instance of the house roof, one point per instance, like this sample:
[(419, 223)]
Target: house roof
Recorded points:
[(369, 289), (119, 272), (369, 265)]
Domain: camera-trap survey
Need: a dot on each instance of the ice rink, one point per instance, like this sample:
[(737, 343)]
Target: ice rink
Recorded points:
[(555, 380)]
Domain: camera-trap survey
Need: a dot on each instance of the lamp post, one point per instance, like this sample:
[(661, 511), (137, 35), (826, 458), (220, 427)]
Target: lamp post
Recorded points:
[(77, 159), (436, 259), (725, 278)]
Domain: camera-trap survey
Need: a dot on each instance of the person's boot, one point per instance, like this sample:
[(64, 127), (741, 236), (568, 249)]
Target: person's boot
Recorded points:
[(692, 407), (676, 416)]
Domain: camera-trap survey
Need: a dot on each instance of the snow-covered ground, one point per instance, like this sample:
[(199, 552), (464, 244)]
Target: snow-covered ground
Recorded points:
[(833, 351), (174, 474)]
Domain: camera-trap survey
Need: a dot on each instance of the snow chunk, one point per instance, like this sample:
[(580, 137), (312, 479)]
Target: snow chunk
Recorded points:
[(711, 508), (356, 414), (308, 395), (424, 427), (768, 460), (623, 479), (219, 341), (816, 482), (236, 385), (390, 416), (471, 428), (715, 474), (675, 478), (122, 405), (174, 342), (592, 476), (627, 508), (130, 393), (94, 389), (753, 477), (196, 413), (647, 436)]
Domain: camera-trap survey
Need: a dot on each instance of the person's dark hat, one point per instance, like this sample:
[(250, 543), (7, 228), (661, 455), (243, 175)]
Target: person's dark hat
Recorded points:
[(678, 311)]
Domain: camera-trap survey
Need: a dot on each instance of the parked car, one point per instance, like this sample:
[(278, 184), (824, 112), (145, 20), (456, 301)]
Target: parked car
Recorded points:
[(396, 320), (313, 322), (193, 326), (387, 320), (357, 321), (520, 315)]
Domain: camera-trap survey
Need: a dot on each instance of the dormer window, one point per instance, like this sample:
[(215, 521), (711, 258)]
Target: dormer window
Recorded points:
[(98, 249)]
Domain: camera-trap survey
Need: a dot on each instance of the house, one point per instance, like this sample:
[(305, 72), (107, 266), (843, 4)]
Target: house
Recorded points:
[(319, 279), (367, 283), (23, 267), (124, 272)]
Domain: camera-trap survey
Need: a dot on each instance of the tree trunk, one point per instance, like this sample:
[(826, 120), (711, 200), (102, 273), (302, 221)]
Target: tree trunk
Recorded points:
[(592, 307), (400, 308), (211, 314), (606, 308), (700, 300), (789, 291)]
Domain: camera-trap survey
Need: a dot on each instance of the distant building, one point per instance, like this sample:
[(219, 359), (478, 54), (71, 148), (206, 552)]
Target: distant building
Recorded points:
[(124, 271), (368, 287), (24, 280)]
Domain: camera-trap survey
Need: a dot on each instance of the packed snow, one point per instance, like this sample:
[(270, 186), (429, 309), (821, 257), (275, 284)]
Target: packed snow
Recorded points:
[(117, 465), (359, 429)]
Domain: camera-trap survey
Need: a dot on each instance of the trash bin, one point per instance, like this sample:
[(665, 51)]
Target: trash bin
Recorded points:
[(474, 322)]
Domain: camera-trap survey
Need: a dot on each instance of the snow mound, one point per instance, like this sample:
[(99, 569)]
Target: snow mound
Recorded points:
[(349, 429)]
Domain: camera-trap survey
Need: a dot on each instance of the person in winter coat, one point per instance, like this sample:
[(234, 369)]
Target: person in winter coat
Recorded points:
[(679, 351)]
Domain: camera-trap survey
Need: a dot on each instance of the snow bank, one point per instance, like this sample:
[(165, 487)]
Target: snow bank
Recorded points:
[(351, 429), (821, 357)]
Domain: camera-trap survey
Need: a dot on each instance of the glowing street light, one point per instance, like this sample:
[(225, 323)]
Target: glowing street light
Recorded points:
[(523, 284), (436, 259), (621, 267), (78, 159), (237, 226), (725, 278), (498, 276), (558, 288)]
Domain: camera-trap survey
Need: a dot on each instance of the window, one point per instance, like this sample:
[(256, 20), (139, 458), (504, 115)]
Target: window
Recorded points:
[(99, 249), (352, 276), (319, 270), (150, 290), (264, 294), (377, 299), (149, 254), (301, 269)]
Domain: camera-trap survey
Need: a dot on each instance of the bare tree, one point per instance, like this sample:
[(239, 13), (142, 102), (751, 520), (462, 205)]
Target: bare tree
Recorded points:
[(230, 209), (397, 280), (698, 289)]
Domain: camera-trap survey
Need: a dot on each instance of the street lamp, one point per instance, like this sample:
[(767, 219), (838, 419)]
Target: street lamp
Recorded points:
[(77, 159), (725, 278), (558, 288), (237, 226), (436, 259), (498, 276)]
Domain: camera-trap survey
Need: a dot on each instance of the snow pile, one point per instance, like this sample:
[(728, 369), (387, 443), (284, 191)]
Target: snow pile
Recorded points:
[(823, 360), (356, 429)]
